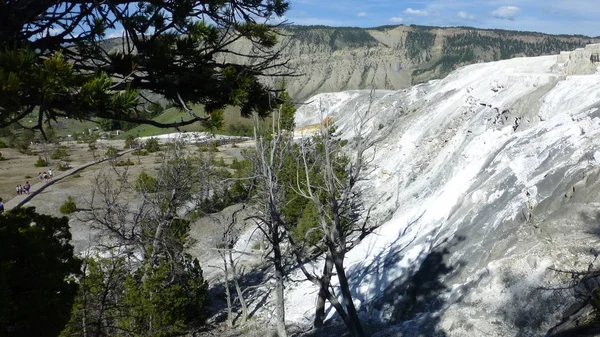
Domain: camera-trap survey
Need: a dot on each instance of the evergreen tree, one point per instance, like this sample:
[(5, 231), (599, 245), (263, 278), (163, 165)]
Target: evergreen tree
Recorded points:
[(36, 265), (55, 59)]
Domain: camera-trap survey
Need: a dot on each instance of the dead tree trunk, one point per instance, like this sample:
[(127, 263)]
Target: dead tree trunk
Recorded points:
[(279, 288), (344, 220), (324, 282), (238, 289), (227, 292)]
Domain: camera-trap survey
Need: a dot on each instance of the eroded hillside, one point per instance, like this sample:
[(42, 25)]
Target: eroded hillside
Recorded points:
[(331, 59)]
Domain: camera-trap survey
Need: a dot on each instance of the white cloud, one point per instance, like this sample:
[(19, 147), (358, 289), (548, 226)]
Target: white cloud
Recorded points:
[(361, 14), (55, 31), (506, 12), (115, 33), (417, 12), (396, 19), (466, 16)]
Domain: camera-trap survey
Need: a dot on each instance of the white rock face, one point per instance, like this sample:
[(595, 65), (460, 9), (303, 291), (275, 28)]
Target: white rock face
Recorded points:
[(496, 167)]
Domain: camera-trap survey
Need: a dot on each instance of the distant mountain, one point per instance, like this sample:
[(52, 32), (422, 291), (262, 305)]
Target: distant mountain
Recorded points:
[(331, 59), (395, 57)]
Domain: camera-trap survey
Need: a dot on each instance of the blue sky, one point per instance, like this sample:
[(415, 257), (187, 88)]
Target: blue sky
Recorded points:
[(549, 16)]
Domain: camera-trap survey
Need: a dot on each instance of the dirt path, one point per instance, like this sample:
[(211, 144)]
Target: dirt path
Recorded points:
[(20, 200)]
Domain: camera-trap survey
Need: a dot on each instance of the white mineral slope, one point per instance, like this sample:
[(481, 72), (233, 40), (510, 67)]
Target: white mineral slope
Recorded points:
[(495, 167)]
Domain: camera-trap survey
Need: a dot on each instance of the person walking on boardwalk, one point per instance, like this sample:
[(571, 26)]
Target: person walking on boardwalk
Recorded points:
[(26, 187)]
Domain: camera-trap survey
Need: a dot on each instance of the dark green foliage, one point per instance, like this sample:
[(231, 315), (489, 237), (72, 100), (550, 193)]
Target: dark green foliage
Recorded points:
[(68, 206), (40, 162), (60, 153), (170, 48), (286, 110), (145, 183), (239, 129), (148, 301), (152, 145), (130, 142), (21, 142), (418, 45), (157, 306), (140, 153), (111, 152), (298, 212), (3, 145), (461, 48), (99, 299), (36, 265), (215, 121), (208, 147), (127, 162), (334, 37)]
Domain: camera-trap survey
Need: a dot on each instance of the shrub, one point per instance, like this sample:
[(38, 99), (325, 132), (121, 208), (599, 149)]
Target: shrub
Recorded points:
[(140, 153), (240, 164), (239, 129), (111, 152), (194, 215), (40, 162), (1, 157), (152, 145), (63, 166), (223, 173), (127, 162), (145, 183), (208, 147), (3, 145), (60, 153), (68, 206), (220, 162), (28, 177), (130, 142)]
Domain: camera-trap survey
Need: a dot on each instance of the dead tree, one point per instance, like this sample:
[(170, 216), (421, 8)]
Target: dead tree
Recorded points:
[(343, 219), (141, 217), (225, 247), (270, 151)]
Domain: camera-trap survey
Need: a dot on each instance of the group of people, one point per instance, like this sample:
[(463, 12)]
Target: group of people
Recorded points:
[(45, 176), (23, 189)]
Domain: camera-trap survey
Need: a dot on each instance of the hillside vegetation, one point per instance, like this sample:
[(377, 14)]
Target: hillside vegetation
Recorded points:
[(331, 59)]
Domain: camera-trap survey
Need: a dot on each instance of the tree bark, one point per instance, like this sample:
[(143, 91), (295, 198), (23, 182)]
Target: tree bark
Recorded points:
[(238, 289), (227, 292), (279, 274), (324, 282), (353, 322)]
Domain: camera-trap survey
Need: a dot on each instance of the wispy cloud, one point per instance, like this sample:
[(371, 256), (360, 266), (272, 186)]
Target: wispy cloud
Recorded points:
[(417, 12), (466, 16), (506, 12), (549, 16)]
